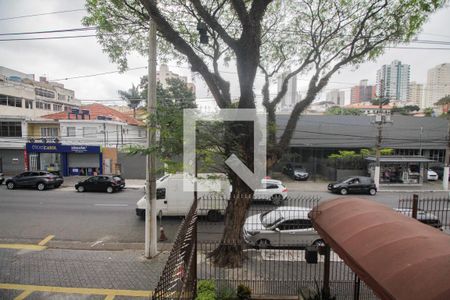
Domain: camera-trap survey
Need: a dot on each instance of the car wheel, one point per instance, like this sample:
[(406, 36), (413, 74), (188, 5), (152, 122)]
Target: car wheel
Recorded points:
[(213, 216), (80, 189), (263, 244), (10, 185), (344, 191), (372, 192), (277, 199), (41, 186), (319, 243), (109, 189)]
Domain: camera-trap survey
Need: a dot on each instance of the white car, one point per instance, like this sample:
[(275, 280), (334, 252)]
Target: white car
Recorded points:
[(285, 226), (432, 175), (271, 190)]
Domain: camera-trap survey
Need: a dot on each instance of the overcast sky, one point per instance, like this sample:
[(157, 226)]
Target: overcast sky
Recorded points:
[(71, 57)]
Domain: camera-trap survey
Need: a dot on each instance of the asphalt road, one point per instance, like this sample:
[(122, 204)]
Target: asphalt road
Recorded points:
[(99, 217)]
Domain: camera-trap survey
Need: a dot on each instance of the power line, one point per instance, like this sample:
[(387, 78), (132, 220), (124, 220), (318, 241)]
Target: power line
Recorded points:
[(48, 38), (43, 14), (49, 31), (98, 74)]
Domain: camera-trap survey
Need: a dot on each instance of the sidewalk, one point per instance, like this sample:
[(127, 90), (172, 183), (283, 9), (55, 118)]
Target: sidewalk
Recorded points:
[(70, 181), (57, 274)]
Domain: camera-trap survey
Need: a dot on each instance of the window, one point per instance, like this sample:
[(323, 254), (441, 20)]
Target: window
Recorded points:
[(71, 131), (44, 93), (49, 132), (43, 105), (160, 193), (57, 107), (10, 101), (89, 132), (437, 155), (47, 106), (61, 97), (28, 104), (11, 129), (295, 224)]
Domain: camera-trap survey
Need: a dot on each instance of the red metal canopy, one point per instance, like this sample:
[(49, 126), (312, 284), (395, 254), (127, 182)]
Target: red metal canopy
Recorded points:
[(397, 256)]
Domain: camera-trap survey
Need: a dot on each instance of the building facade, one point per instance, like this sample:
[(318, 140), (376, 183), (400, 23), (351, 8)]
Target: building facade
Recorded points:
[(21, 95), (362, 92), (393, 81), (438, 84), (164, 73), (291, 97), (416, 96), (336, 96)]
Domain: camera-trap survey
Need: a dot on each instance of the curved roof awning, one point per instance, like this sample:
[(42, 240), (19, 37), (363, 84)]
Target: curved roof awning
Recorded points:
[(396, 256)]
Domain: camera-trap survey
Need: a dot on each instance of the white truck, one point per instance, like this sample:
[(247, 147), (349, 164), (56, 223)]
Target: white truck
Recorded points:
[(172, 200)]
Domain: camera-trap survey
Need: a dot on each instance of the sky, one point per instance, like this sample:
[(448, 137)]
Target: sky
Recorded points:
[(64, 58)]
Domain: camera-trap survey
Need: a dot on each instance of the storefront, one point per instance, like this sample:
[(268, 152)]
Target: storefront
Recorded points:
[(401, 170), (69, 160)]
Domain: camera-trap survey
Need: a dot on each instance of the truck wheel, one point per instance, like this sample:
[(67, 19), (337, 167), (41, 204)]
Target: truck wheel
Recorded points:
[(213, 216)]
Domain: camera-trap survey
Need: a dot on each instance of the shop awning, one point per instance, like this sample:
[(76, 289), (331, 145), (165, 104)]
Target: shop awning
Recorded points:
[(396, 256), (400, 159)]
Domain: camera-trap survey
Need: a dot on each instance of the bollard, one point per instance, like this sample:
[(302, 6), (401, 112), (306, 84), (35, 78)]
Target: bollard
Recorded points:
[(162, 235)]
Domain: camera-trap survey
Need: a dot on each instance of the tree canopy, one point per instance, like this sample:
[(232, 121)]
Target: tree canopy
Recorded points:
[(337, 110), (311, 38)]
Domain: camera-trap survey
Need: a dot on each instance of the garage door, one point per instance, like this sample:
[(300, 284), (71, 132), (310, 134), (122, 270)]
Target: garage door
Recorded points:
[(76, 160)]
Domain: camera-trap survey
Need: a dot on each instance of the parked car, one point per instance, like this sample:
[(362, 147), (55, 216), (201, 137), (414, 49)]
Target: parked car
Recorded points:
[(432, 175), (295, 171), (422, 216), (38, 179), (271, 190), (354, 185), (2, 178), (102, 183), (285, 226), (439, 170)]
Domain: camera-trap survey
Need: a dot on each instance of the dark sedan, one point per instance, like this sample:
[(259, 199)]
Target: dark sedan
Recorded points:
[(354, 185), (296, 172), (34, 179), (102, 183)]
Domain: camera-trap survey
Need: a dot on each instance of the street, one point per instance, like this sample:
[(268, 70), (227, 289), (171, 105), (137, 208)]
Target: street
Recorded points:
[(92, 219)]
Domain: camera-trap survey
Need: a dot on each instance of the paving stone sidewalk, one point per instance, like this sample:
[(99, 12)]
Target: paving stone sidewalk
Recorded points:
[(118, 270)]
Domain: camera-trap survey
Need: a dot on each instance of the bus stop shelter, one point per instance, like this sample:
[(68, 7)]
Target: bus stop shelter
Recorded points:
[(396, 256)]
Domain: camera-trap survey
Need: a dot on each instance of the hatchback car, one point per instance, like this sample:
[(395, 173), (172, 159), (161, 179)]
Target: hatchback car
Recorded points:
[(354, 185), (35, 179), (285, 226), (271, 190), (102, 183), (422, 216)]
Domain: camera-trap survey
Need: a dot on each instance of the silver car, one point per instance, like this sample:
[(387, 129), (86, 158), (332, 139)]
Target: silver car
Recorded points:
[(285, 226)]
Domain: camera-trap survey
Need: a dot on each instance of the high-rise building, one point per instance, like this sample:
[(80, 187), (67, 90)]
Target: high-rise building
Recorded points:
[(336, 96), (438, 84), (416, 94), (291, 96), (393, 81), (362, 92), (164, 73)]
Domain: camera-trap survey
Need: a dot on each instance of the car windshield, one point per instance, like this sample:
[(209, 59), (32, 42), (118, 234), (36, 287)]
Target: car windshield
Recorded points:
[(271, 218)]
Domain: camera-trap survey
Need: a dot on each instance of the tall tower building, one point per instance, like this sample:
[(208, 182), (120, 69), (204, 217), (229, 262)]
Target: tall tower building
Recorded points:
[(416, 94), (438, 84), (362, 92), (336, 96), (290, 98), (393, 81)]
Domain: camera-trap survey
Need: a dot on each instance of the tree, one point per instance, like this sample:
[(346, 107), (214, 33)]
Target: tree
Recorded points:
[(405, 110), (384, 101), (314, 38), (337, 110), (133, 98), (429, 111)]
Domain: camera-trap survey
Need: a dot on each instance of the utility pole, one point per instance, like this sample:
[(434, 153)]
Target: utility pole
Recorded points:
[(447, 159), (150, 182)]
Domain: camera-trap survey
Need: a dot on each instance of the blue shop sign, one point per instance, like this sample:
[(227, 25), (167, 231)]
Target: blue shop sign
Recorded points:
[(58, 148)]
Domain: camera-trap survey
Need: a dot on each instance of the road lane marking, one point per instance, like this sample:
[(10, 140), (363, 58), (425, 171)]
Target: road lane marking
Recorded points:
[(46, 240), (70, 290), (109, 297), (23, 247), (23, 295), (114, 205)]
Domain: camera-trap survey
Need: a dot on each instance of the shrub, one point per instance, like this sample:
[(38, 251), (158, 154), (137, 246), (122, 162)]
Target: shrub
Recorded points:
[(206, 290), (243, 292), (226, 293)]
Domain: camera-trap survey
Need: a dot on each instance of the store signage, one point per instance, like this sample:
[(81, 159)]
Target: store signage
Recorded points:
[(58, 148)]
